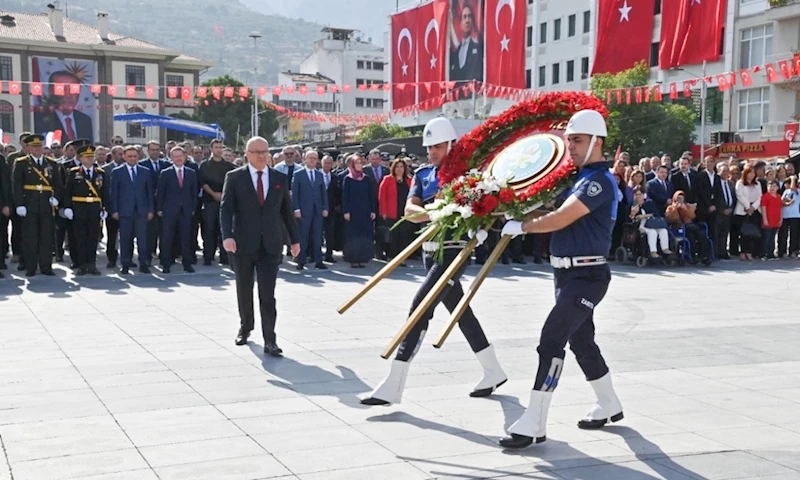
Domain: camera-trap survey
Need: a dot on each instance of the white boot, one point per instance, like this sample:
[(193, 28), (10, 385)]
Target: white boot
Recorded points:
[(493, 374), (532, 425), (390, 390), (608, 407)]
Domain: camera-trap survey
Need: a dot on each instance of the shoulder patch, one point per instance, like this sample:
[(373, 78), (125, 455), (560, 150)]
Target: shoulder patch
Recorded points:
[(594, 189), (422, 168)]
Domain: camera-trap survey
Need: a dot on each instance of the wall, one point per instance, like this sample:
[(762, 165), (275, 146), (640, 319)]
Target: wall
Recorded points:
[(14, 100)]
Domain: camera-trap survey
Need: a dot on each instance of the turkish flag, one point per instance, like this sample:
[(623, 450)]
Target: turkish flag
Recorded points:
[(786, 69), (14, 88), (36, 89), (691, 32), (791, 131), (404, 57), (150, 91), (722, 81), (631, 20), (772, 75), (58, 89), (186, 93), (172, 92), (75, 88), (432, 36), (505, 42), (244, 92), (130, 91), (202, 92), (747, 79), (112, 90)]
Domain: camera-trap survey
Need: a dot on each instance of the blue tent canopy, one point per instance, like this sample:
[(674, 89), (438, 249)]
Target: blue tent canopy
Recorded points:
[(186, 126)]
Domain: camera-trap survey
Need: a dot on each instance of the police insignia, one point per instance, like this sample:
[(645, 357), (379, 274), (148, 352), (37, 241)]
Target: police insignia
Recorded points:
[(594, 189)]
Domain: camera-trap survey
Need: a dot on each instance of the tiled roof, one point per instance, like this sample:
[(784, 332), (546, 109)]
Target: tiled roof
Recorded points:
[(35, 27)]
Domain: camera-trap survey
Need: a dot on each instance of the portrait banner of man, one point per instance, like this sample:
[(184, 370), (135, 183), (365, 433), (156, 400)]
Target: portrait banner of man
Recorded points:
[(466, 40), (67, 103)]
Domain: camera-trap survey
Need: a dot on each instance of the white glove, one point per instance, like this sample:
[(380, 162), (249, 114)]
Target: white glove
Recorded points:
[(54, 201), (68, 213), (513, 228), (103, 215), (22, 211), (482, 235)]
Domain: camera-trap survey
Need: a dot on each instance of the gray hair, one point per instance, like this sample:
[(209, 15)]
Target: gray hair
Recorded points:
[(309, 152), (254, 140)]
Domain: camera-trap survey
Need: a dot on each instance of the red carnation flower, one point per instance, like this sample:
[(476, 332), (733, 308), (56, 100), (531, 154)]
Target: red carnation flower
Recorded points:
[(506, 195), (472, 182)]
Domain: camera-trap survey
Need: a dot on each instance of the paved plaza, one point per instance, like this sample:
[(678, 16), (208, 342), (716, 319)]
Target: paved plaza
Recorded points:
[(139, 379)]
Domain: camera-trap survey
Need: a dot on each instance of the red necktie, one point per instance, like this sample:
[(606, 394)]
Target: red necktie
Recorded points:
[(260, 188), (180, 177), (70, 130)]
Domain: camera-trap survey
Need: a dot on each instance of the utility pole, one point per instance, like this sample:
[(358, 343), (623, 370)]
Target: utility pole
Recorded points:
[(255, 36)]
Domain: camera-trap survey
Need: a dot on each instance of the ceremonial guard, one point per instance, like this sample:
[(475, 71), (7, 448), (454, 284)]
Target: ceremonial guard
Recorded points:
[(37, 188), (438, 137), (64, 228), (581, 238), (85, 199)]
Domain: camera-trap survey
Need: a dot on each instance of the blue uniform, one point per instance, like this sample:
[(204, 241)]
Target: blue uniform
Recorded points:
[(425, 186), (578, 290)]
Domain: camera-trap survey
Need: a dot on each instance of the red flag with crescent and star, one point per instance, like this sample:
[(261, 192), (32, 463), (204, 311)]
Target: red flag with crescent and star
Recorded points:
[(691, 32), (432, 44), (631, 20), (404, 58), (505, 42)]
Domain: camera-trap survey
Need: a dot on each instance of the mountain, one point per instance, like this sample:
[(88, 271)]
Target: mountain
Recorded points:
[(370, 17), (208, 29)]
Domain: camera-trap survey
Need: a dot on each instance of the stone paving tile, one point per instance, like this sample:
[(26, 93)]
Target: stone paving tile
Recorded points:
[(79, 465)]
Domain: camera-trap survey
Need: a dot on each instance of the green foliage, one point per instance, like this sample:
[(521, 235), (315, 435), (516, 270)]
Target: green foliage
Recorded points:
[(235, 115), (380, 131), (644, 129)]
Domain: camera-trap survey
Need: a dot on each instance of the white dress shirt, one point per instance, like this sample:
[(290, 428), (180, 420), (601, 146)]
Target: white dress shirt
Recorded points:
[(264, 179), (132, 172), (62, 117), (311, 177)]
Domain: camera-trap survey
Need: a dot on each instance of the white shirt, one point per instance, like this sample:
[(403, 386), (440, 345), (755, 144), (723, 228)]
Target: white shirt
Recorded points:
[(131, 171), (793, 210), (179, 171), (311, 176), (264, 179), (63, 117), (39, 161), (710, 178), (327, 177), (89, 172)]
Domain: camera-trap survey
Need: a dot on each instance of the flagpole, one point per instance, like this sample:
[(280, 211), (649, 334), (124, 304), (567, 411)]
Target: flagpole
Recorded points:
[(255, 36), (703, 96)]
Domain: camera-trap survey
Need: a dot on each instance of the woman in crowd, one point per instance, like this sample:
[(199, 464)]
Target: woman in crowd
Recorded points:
[(789, 234), (392, 195), (637, 180), (625, 198), (651, 223), (747, 214), (359, 198)]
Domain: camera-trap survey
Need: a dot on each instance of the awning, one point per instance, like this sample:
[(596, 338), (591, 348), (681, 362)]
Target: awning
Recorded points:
[(186, 126)]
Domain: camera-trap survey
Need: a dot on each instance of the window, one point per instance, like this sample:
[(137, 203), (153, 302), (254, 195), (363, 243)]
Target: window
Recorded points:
[(6, 117), (359, 102), (174, 80), (542, 33), (657, 10), (654, 47), (587, 18), (570, 70), (377, 65), (753, 108), (756, 46), (6, 69), (571, 25), (528, 80), (135, 130), (134, 75), (372, 102), (555, 72), (557, 29), (529, 35), (360, 64), (542, 75), (584, 68)]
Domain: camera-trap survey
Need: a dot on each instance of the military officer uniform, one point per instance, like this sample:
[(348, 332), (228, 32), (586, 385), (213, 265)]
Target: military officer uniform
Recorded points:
[(37, 190), (85, 198), (64, 228)]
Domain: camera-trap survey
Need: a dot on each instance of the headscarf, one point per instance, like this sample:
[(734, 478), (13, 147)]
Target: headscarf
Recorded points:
[(351, 168)]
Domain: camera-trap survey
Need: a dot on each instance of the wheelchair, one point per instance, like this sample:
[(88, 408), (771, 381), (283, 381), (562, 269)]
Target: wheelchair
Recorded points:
[(634, 247), (685, 251)]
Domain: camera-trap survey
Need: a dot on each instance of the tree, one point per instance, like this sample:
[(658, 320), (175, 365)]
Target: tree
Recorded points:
[(644, 129), (235, 116), (380, 131)]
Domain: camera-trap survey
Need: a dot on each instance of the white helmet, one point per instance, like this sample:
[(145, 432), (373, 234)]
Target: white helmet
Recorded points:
[(439, 130), (587, 122)]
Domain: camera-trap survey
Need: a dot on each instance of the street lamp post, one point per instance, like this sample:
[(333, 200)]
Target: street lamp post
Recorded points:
[(703, 96), (255, 36)]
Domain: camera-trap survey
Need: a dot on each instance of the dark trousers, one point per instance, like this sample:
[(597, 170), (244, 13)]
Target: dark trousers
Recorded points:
[(38, 231), (182, 226), (130, 228), (153, 233), (65, 230), (699, 241), (768, 241), (722, 230), (112, 230), (247, 268), (789, 236), (16, 234), (329, 233), (87, 231), (4, 244), (747, 244), (212, 236), (450, 296), (578, 292), (311, 238)]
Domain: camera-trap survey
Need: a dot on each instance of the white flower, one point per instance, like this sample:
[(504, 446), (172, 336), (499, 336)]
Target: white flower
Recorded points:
[(449, 209), (488, 185), (435, 215), (474, 172), (465, 211), (434, 205)]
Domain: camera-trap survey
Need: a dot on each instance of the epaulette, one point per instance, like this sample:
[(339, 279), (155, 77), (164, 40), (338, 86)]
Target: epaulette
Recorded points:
[(74, 169), (51, 159), (21, 159), (423, 167), (99, 170)]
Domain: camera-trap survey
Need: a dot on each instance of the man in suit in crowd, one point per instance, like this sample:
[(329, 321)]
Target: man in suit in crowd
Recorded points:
[(686, 180), (176, 200), (310, 202), (376, 171), (155, 165), (112, 224), (706, 190), (5, 210), (132, 201), (333, 191), (660, 189), (255, 211), (72, 123), (725, 201)]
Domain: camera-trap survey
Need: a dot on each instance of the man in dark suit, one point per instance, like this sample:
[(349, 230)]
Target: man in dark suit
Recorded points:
[(176, 200), (706, 189), (155, 165), (466, 61), (686, 180), (725, 201), (255, 211), (310, 201), (376, 171), (333, 191), (112, 225), (72, 123), (131, 203), (660, 190)]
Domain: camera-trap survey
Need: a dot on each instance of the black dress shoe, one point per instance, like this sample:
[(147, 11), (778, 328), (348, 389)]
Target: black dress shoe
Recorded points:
[(59, 258), (80, 272), (188, 268), (49, 273), (164, 269), (598, 424), (241, 339), (272, 348), (516, 441), (144, 269), (124, 271), (374, 402), (320, 266), (20, 267), (93, 271), (30, 274), (330, 260), (133, 265), (73, 265), (111, 265), (300, 266)]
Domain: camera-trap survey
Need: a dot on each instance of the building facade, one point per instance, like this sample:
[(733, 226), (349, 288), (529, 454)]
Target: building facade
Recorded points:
[(66, 58)]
